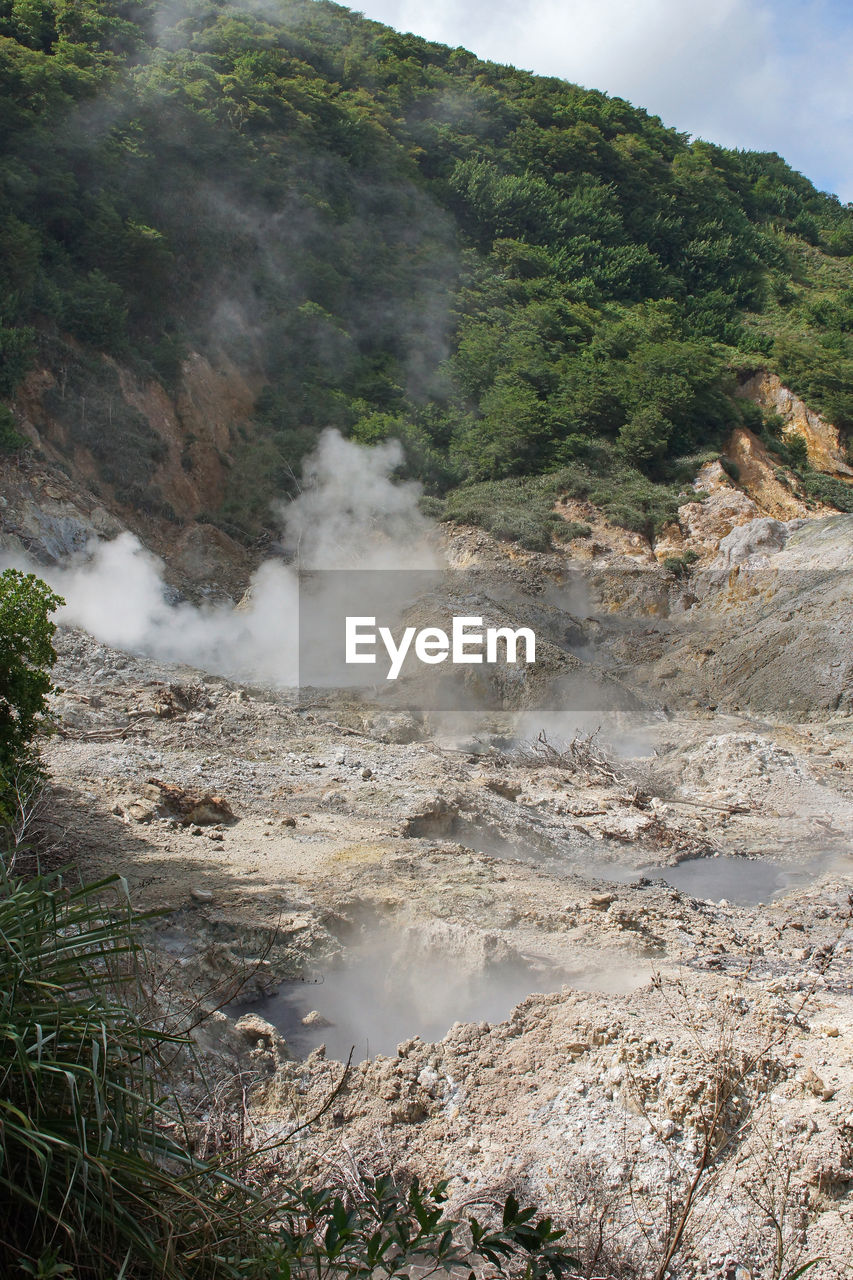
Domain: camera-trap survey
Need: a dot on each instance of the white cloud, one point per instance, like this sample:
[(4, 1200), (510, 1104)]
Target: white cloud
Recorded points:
[(770, 75)]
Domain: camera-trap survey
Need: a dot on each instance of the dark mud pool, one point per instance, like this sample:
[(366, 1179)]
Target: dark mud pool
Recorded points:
[(739, 880)]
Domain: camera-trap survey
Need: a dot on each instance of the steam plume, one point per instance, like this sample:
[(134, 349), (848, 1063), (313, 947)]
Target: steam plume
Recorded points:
[(351, 513)]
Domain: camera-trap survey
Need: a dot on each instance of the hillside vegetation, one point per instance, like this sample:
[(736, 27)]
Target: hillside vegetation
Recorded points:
[(514, 275)]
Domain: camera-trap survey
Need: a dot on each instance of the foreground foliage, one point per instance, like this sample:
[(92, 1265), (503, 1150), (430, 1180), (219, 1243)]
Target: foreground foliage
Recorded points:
[(93, 1182), (385, 1232), (26, 659)]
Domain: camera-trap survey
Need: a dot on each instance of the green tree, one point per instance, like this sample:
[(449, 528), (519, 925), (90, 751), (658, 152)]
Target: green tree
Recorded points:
[(16, 351), (645, 436), (11, 441), (27, 656)]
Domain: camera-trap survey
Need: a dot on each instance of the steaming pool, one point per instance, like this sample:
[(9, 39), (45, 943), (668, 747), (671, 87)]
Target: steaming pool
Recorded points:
[(378, 1000), (745, 882), (396, 983), (742, 880)]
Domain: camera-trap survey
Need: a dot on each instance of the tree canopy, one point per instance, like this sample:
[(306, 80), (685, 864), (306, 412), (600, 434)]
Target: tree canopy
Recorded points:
[(509, 272)]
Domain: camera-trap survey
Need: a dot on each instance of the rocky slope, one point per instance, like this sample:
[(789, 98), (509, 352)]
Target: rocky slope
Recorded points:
[(675, 887), (113, 450)]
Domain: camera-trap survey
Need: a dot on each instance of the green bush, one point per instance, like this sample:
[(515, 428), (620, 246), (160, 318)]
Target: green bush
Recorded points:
[(92, 1185), (791, 448), (95, 312), (26, 660), (642, 508), (431, 507), (568, 530), (679, 566), (774, 425), (16, 356), (388, 1232), (11, 441), (512, 510), (645, 436), (797, 450), (827, 489), (522, 510), (526, 530)]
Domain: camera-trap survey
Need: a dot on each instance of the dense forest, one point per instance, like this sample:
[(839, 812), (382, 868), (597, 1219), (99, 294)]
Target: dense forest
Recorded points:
[(513, 275)]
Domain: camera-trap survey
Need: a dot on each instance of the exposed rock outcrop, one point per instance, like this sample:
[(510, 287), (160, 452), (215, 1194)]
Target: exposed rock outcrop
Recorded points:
[(825, 445), (756, 472), (703, 524), (46, 516)]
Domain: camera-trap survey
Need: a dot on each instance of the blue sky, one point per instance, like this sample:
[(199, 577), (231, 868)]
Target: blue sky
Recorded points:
[(770, 75)]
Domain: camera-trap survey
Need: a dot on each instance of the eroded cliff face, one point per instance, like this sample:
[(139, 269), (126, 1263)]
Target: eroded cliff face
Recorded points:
[(129, 435), (115, 450), (110, 442), (825, 445), (759, 476)]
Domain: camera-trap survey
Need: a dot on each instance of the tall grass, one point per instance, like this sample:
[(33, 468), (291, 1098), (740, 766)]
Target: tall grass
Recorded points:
[(96, 1176)]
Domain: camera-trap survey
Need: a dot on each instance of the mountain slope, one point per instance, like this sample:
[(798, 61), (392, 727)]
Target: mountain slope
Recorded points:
[(366, 230)]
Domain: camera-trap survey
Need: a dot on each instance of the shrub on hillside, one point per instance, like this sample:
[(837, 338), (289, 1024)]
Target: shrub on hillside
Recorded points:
[(571, 529), (827, 489), (11, 441)]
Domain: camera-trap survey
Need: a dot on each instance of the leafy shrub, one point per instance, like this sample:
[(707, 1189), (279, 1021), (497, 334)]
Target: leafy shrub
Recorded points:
[(513, 510), (26, 659), (827, 489), (91, 1183), (679, 566), (645, 436), (791, 448), (797, 450), (382, 1231), (95, 312), (751, 415), (568, 530), (16, 356), (626, 516), (522, 509), (431, 507), (641, 507), (731, 468), (682, 471), (526, 530), (11, 441)]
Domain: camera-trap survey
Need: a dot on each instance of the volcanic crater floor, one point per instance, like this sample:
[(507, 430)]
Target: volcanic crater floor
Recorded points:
[(545, 961)]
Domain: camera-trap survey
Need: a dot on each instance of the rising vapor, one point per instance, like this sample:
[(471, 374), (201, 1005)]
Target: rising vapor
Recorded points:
[(350, 514)]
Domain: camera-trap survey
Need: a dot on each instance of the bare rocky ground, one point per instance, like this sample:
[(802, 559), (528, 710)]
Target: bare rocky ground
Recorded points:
[(596, 995), (560, 962)]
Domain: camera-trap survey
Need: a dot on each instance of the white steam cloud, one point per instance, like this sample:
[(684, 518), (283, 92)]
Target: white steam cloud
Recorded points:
[(350, 514)]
